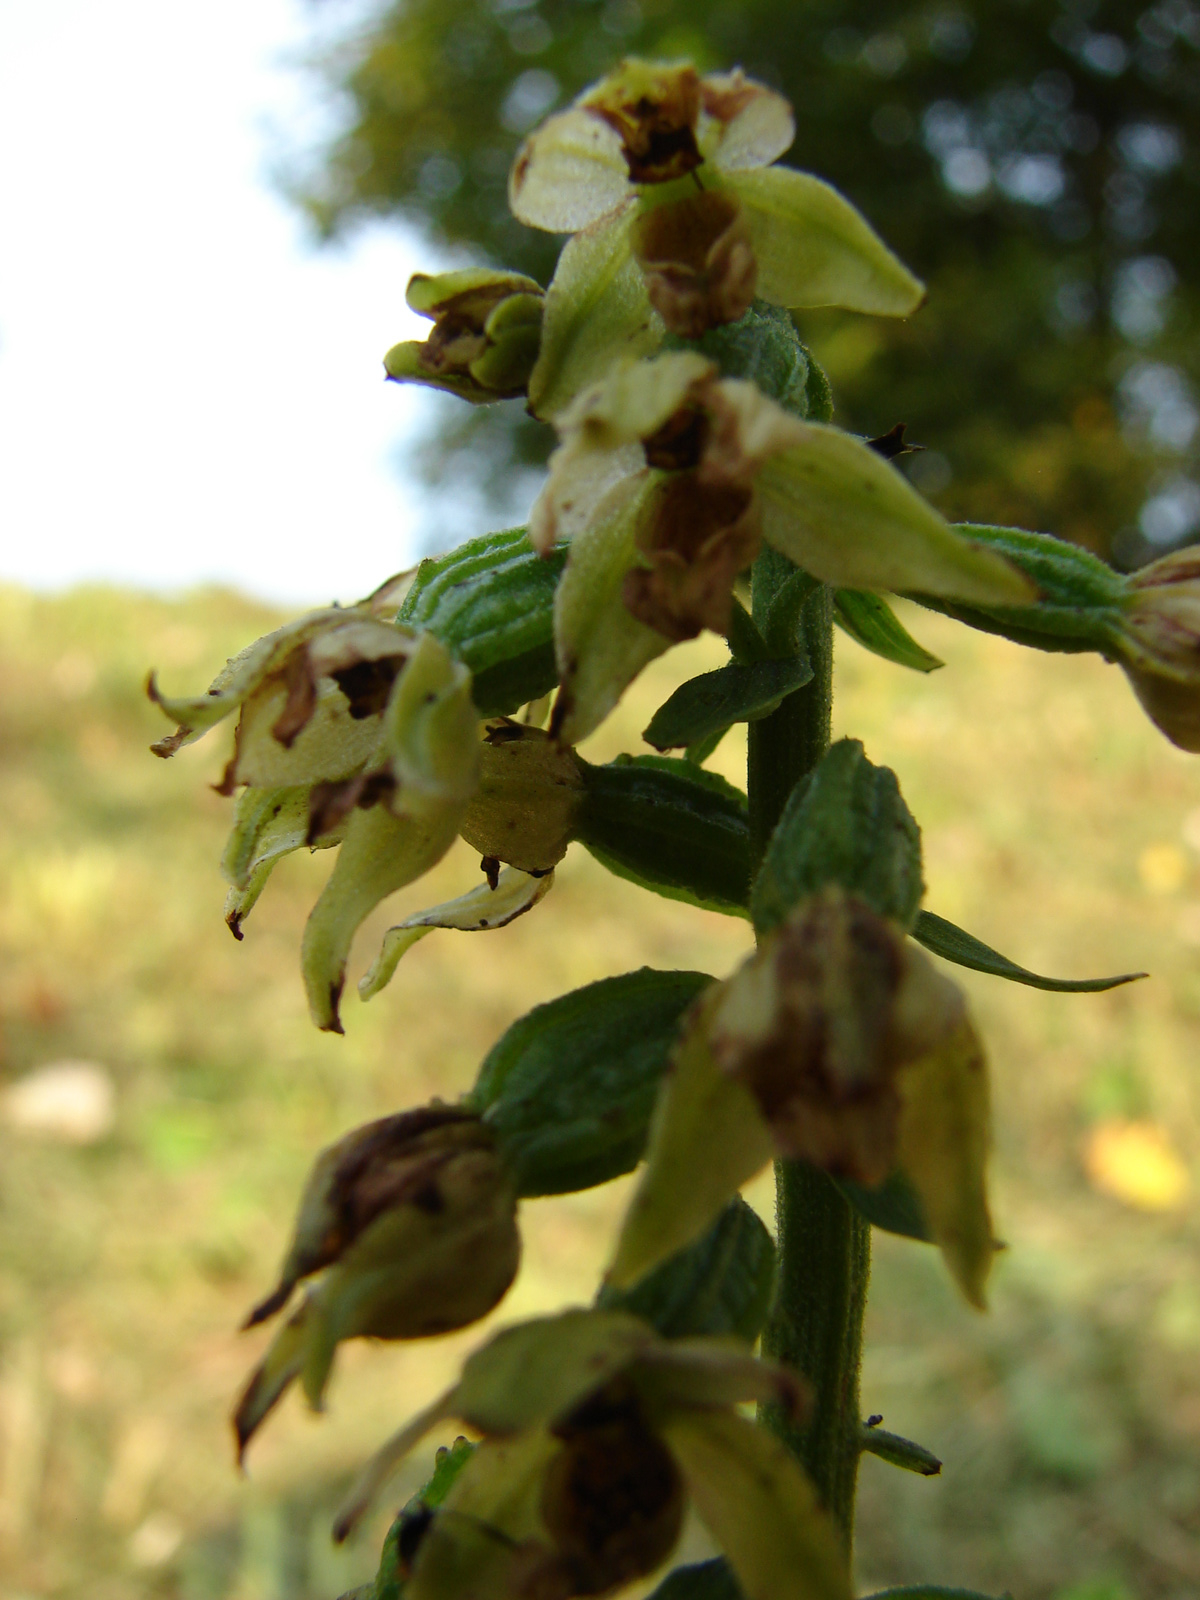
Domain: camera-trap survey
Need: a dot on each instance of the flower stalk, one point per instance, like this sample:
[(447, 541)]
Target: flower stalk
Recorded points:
[(823, 1245)]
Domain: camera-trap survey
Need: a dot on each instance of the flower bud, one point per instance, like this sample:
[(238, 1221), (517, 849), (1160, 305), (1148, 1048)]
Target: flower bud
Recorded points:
[(486, 332), (1161, 644), (414, 1218), (523, 811), (818, 1024)]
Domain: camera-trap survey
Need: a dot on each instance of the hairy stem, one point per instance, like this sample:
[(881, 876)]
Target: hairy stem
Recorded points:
[(824, 1246)]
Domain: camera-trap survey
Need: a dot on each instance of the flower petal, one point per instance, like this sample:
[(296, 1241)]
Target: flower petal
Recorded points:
[(482, 907), (840, 511), (708, 1373), (381, 853), (943, 1148), (759, 1506), (569, 172), (601, 648), (429, 741), (268, 825), (237, 679), (596, 311), (708, 1138), (634, 400), (814, 248), (533, 1374), (743, 124), (490, 1529)]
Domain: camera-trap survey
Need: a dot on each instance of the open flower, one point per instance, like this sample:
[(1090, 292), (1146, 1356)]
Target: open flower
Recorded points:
[(486, 330), (665, 178), (412, 1221), (667, 480), (839, 1043), (596, 1432), (361, 733)]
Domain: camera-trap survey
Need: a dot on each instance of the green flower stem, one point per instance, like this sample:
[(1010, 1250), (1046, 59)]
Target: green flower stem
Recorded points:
[(824, 1246)]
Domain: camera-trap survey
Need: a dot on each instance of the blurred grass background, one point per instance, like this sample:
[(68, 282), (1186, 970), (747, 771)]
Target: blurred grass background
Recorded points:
[(1058, 826)]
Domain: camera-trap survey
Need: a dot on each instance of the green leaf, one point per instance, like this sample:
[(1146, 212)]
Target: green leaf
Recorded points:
[(697, 754), (491, 602), (895, 1206), (785, 611), (669, 826), (814, 249), (448, 1463), (836, 508), (703, 1580), (872, 623), (559, 1130), (898, 1452), (953, 944), (845, 823), (596, 312), (1079, 599), (712, 702), (707, 1138), (759, 1506), (721, 1284)]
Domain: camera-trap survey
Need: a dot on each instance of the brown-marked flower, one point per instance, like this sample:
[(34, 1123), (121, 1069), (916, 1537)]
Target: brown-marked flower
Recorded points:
[(595, 1433), (667, 478), (837, 1042), (486, 330), (361, 733), (818, 1024), (1160, 644), (659, 171), (412, 1221)]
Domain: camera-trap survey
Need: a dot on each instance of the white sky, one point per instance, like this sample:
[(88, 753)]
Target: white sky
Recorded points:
[(190, 390)]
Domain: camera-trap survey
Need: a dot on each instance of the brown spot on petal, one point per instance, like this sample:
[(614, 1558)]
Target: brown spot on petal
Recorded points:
[(725, 95), (807, 1026), (695, 540), (654, 111), (679, 442), (329, 804), (301, 685), (367, 685), (698, 262)]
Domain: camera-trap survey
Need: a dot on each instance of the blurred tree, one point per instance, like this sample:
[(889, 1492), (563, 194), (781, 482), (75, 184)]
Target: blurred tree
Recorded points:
[(1036, 161)]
